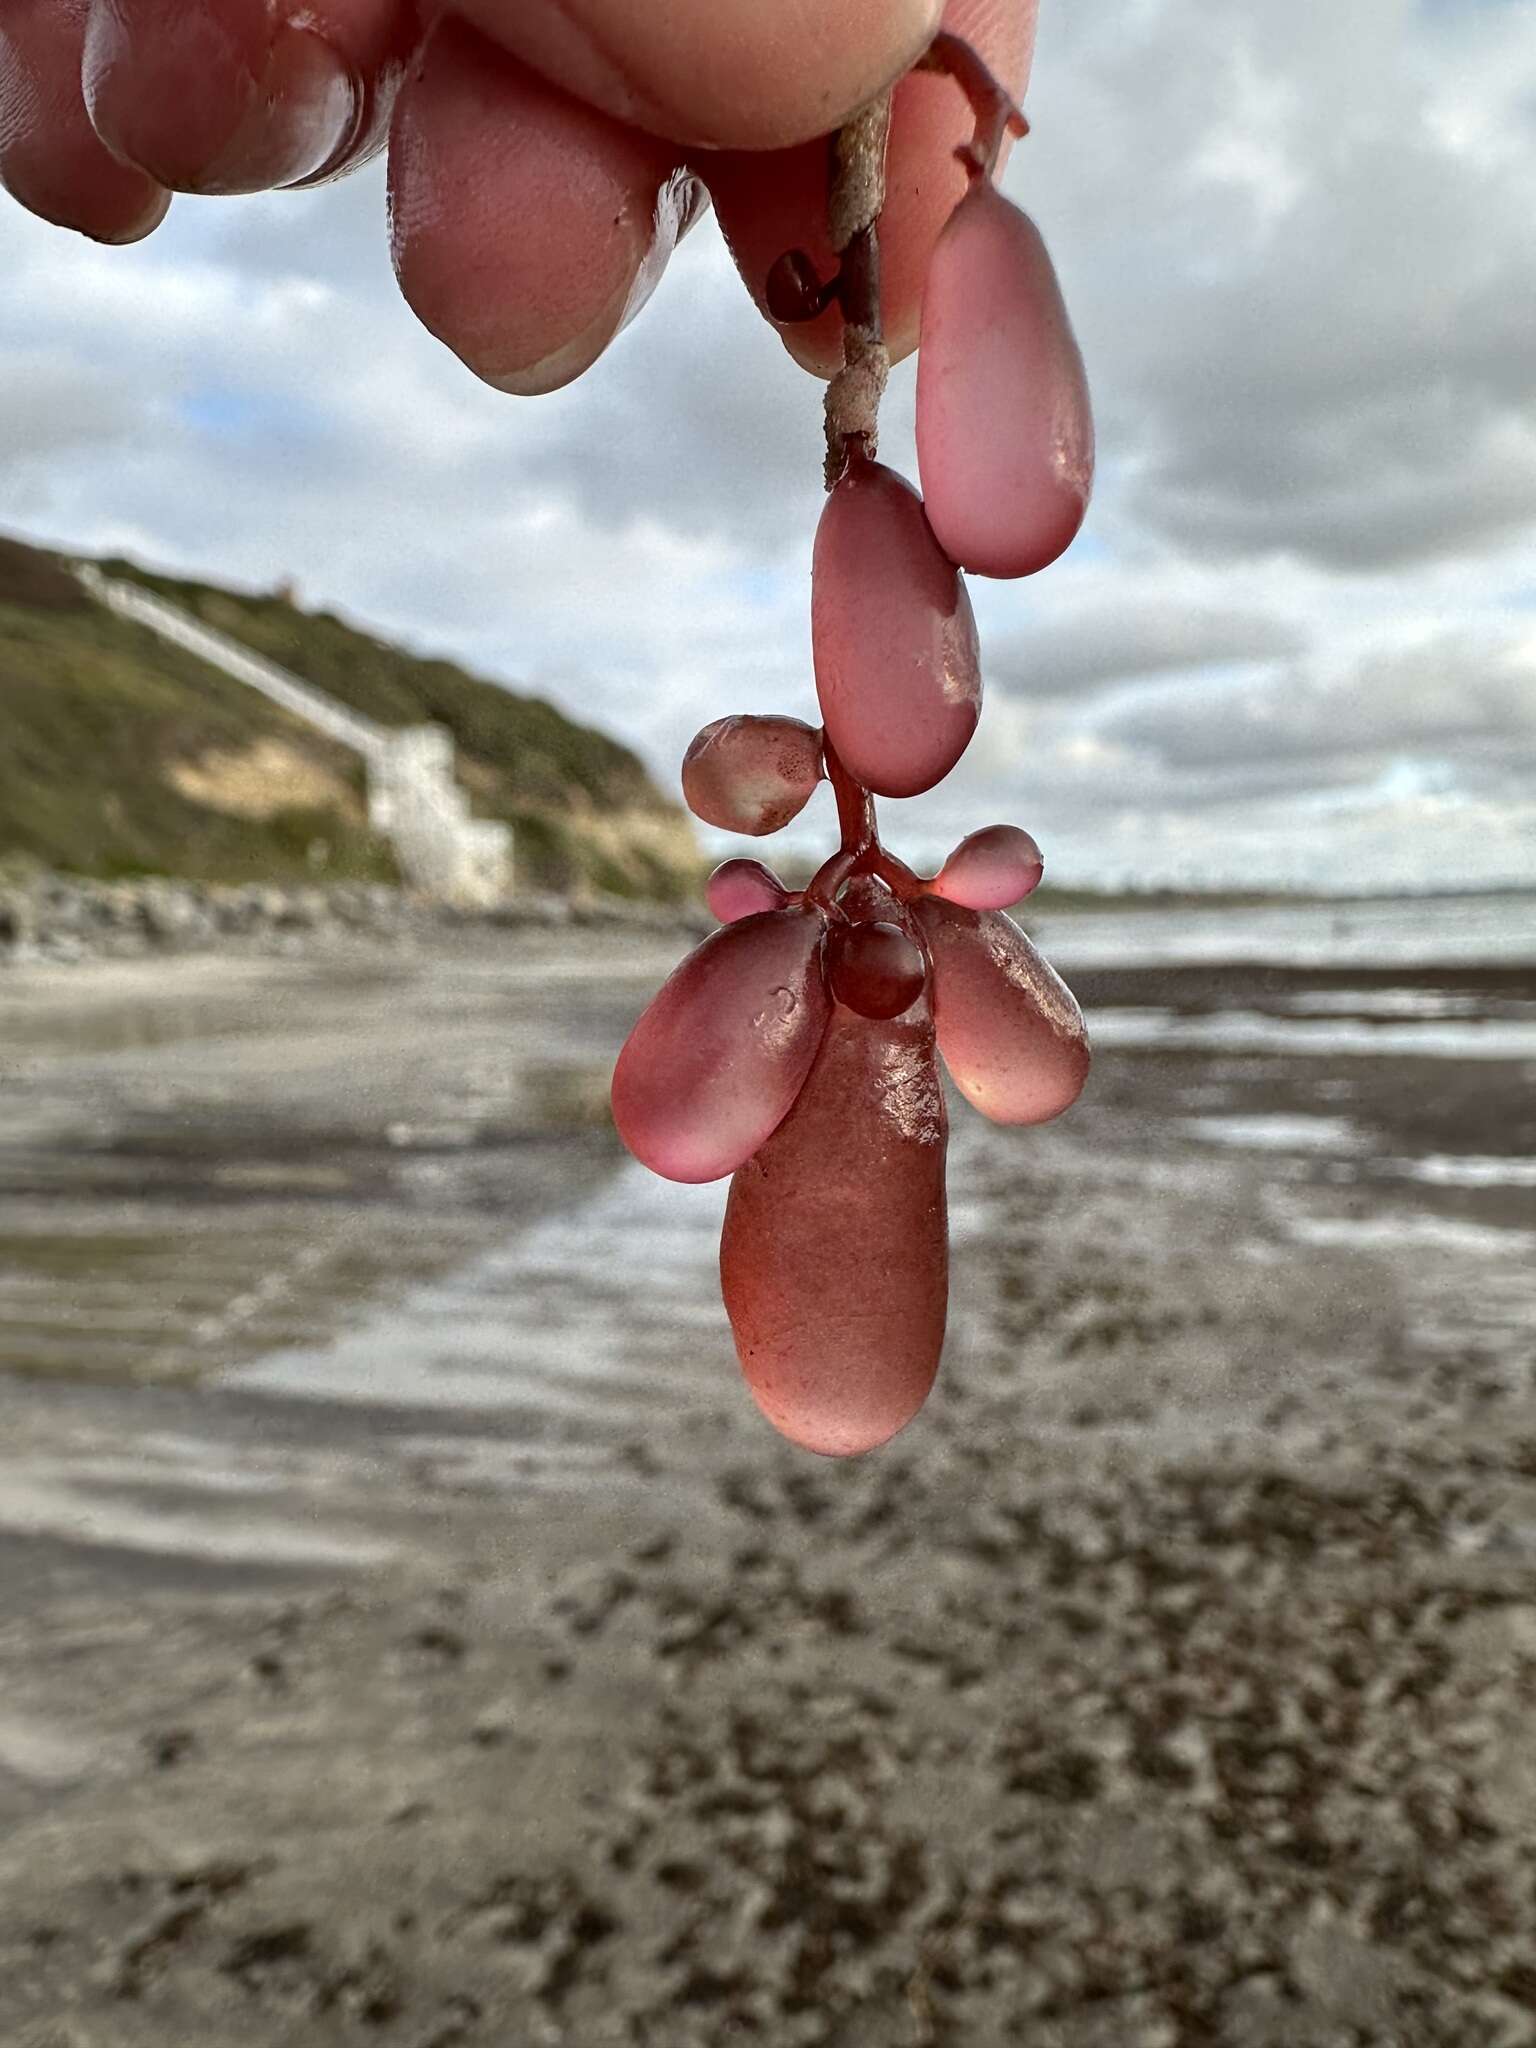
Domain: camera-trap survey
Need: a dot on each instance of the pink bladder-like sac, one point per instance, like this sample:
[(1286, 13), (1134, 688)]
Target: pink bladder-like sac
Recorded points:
[(834, 1262), (742, 888), (990, 869), (1009, 1028), (716, 1060), (875, 968), (898, 669), (752, 775), (1004, 424)]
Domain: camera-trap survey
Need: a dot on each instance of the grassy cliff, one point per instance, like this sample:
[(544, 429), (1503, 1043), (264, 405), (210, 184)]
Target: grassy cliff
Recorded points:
[(120, 755)]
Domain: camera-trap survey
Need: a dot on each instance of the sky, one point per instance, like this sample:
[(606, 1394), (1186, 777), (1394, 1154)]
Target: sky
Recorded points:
[(1295, 643)]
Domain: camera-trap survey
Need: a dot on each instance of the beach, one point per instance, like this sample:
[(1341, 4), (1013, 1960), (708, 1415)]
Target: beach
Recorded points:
[(411, 1634)]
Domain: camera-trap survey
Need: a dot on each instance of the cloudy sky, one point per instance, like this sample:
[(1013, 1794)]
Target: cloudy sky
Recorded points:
[(1296, 641)]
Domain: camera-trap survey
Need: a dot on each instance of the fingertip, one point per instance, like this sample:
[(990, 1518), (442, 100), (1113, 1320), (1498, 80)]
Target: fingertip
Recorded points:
[(526, 228), (123, 225), (166, 85), (88, 199), (214, 96), (51, 159)]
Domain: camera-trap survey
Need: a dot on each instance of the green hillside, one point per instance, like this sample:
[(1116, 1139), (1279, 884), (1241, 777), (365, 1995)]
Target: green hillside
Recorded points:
[(121, 755)]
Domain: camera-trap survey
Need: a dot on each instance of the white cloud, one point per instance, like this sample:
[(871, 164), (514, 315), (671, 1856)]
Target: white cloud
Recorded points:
[(52, 403), (1309, 306)]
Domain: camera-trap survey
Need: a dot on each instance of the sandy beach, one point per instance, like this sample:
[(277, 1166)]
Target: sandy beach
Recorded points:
[(410, 1634)]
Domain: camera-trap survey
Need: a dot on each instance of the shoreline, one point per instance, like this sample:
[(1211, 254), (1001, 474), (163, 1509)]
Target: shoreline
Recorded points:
[(63, 920)]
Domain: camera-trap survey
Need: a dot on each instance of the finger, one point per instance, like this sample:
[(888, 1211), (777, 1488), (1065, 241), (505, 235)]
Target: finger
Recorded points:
[(527, 228), (50, 157), (377, 38), (743, 74), (238, 96), (771, 203)]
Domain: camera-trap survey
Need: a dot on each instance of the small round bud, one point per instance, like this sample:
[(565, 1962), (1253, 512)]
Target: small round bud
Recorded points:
[(990, 869), (752, 775), (742, 888), (875, 969), (793, 290)]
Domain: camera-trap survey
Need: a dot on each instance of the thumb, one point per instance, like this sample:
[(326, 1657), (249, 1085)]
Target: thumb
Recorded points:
[(740, 74)]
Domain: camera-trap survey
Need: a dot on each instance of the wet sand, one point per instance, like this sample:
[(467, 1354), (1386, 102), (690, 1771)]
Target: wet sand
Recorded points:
[(410, 1634)]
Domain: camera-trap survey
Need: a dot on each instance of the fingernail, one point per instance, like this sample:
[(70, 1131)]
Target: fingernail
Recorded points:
[(565, 364), (167, 82), (213, 102), (679, 203), (300, 120)]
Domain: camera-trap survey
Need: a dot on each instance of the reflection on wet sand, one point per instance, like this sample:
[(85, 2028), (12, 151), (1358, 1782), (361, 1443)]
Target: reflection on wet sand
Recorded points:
[(206, 1162)]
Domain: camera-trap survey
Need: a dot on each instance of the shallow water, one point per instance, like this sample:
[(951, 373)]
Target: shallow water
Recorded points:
[(1278, 1132), (1477, 1038), (1451, 931), (609, 1302)]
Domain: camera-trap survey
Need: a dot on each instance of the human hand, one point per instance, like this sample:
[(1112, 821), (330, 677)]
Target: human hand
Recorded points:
[(544, 155)]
